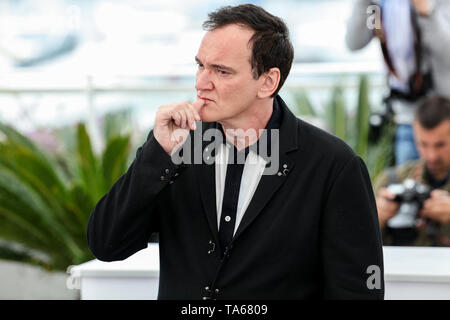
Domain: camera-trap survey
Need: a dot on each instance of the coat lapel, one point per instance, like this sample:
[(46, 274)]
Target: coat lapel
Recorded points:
[(207, 185), (266, 189), (269, 184), (206, 181)]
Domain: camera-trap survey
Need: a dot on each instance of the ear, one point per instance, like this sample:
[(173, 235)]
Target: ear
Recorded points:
[(270, 79)]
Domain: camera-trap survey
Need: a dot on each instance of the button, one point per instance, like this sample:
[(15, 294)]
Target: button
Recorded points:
[(227, 252), (227, 218), (167, 171), (217, 290), (279, 173), (213, 247), (207, 289), (162, 178), (285, 166)]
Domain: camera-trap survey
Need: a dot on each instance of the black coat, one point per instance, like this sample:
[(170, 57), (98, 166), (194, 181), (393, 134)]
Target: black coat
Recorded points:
[(311, 232)]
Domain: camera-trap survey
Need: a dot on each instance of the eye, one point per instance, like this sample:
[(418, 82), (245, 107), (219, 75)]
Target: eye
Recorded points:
[(199, 65), (222, 72)]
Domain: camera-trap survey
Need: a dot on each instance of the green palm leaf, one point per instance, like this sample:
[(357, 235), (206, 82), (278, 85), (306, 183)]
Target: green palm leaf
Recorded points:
[(15, 138), (90, 176), (339, 114), (44, 204), (114, 160), (30, 221), (362, 118)]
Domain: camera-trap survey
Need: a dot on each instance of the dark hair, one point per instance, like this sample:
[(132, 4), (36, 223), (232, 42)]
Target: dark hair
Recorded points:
[(432, 111), (271, 44)]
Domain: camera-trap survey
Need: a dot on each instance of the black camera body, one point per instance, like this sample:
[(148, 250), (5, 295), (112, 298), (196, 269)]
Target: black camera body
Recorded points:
[(411, 195)]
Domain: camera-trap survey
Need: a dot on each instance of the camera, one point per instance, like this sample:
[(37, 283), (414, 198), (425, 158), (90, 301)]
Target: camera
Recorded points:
[(411, 195), (380, 120)]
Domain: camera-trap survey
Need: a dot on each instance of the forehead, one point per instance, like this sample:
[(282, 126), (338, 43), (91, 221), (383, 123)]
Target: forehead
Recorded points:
[(226, 45), (441, 132)]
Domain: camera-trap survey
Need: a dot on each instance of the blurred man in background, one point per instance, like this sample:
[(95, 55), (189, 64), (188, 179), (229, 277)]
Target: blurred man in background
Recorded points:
[(415, 41), (417, 211)]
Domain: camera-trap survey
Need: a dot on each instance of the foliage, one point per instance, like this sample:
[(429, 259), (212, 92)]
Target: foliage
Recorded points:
[(354, 128), (45, 200)]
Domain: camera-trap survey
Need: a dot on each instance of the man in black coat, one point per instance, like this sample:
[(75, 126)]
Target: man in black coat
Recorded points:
[(249, 202)]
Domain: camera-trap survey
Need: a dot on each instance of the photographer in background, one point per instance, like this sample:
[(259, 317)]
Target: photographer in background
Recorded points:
[(426, 197), (415, 41)]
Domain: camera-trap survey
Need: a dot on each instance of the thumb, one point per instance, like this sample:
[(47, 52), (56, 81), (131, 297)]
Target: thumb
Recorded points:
[(439, 193), (384, 192)]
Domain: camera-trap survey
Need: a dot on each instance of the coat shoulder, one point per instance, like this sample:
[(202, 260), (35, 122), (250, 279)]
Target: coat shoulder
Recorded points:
[(322, 144)]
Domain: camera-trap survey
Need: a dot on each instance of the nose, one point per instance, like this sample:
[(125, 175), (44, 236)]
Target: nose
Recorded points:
[(203, 80), (431, 155)]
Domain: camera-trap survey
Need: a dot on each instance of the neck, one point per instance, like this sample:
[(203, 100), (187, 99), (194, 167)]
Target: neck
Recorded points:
[(244, 129)]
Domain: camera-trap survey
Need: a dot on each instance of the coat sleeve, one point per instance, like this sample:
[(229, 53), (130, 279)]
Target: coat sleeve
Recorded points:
[(124, 218), (436, 37), (358, 34), (351, 246), (436, 29)]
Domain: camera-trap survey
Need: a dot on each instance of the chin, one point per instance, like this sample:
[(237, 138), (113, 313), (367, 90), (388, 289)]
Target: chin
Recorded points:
[(210, 119), (208, 116)]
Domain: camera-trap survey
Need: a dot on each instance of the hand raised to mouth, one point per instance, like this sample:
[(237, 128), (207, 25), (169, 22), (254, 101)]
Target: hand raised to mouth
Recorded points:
[(173, 122)]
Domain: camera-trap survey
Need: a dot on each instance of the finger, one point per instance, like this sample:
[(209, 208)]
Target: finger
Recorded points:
[(432, 204), (190, 117), (198, 104), (194, 112), (426, 213), (183, 118), (386, 204), (176, 117), (439, 193), (431, 209), (386, 194), (390, 206)]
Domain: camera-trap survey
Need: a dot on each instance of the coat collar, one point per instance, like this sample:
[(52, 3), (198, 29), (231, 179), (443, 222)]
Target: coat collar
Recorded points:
[(268, 185)]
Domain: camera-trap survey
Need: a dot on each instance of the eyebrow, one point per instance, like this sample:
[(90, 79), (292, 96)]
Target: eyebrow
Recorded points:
[(217, 66)]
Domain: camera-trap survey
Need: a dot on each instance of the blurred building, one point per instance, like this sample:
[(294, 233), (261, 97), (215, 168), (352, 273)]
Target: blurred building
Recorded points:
[(63, 61)]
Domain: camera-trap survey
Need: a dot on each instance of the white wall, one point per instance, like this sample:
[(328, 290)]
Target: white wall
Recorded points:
[(25, 282)]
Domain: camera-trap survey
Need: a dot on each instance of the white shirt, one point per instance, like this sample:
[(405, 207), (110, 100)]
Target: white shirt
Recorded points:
[(399, 30), (253, 170)]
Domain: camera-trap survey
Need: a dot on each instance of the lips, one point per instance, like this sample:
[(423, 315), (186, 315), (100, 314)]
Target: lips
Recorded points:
[(434, 165), (204, 98)]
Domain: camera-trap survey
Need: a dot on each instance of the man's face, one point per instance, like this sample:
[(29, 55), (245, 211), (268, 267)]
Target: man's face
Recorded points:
[(224, 78), (434, 146)]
